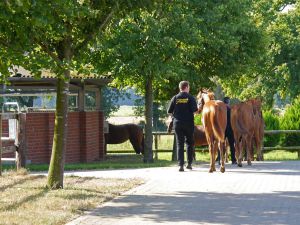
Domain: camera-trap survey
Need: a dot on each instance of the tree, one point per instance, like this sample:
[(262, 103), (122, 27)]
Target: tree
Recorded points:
[(110, 97), (58, 36), (185, 40), (277, 70)]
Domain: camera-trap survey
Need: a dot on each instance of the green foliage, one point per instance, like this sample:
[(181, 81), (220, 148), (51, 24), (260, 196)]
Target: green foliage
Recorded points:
[(185, 40), (271, 119), (58, 36), (197, 119), (291, 121), (159, 113), (109, 98), (277, 67)]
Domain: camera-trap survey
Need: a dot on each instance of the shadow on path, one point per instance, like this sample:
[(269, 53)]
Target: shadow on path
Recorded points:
[(208, 207)]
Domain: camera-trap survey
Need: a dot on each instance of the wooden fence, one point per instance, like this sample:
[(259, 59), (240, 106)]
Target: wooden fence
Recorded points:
[(20, 157), (156, 149)]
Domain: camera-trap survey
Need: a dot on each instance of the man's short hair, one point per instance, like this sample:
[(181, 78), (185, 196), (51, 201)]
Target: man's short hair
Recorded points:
[(183, 85)]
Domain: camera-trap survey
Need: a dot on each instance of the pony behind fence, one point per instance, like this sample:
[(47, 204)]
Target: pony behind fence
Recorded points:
[(121, 133)]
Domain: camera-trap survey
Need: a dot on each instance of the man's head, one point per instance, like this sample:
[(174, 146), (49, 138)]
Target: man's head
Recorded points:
[(184, 86), (226, 100)]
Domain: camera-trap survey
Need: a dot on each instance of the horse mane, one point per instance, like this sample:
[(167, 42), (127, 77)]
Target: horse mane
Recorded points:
[(211, 95)]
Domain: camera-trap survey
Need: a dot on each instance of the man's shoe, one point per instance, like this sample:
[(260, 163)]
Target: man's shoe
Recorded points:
[(189, 166), (181, 169)]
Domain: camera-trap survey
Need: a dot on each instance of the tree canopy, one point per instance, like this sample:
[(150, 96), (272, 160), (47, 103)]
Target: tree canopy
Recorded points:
[(58, 36), (186, 40), (277, 69)]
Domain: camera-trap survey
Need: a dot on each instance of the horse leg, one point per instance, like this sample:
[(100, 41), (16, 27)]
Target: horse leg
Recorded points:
[(248, 149), (226, 146), (237, 148), (215, 153), (258, 148), (211, 153), (222, 155)]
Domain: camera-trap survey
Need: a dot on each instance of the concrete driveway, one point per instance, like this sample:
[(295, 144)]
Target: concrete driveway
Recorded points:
[(264, 193)]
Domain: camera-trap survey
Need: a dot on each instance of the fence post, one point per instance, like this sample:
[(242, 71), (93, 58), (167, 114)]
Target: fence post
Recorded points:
[(155, 146), (174, 150), (0, 145), (21, 145)]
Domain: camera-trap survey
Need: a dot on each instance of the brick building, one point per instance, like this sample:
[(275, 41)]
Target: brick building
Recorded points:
[(85, 135)]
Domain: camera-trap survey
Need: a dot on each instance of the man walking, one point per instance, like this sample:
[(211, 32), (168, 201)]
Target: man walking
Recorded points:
[(182, 107)]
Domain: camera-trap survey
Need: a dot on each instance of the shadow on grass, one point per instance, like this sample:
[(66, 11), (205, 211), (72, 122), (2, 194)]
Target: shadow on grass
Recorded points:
[(29, 198), (18, 182)]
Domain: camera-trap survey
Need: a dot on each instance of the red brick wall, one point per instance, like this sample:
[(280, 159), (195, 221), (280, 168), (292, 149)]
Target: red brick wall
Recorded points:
[(5, 128), (101, 135), (37, 137), (84, 136)]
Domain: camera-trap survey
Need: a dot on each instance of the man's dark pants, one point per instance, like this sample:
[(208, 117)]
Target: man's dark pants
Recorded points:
[(230, 138), (184, 132)]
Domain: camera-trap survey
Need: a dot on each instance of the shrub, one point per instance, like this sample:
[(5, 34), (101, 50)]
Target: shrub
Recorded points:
[(291, 121), (272, 122)]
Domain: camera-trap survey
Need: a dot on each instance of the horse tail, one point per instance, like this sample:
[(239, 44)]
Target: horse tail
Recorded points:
[(218, 127)]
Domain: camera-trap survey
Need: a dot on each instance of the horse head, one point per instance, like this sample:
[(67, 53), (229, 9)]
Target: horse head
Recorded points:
[(204, 95)]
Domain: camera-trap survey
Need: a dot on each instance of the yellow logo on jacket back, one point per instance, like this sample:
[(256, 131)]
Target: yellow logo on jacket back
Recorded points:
[(182, 101)]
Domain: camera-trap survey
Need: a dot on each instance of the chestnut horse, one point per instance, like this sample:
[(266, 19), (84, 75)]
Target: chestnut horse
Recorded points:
[(259, 128), (214, 119), (121, 133), (248, 128), (249, 117)]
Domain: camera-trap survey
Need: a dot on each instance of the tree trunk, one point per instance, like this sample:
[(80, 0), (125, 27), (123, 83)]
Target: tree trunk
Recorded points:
[(57, 162), (148, 155), (56, 168)]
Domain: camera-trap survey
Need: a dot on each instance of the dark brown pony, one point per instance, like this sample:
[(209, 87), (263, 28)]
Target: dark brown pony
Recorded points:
[(199, 136), (121, 133), (214, 119)]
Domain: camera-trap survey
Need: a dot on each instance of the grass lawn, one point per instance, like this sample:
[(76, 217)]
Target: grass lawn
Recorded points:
[(124, 110), (25, 200), (125, 160), (113, 161)]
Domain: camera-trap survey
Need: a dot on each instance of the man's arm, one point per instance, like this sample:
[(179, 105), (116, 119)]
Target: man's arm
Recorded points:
[(171, 106)]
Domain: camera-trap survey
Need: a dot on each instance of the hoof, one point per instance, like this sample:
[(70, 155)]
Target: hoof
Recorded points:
[(249, 163), (211, 170), (222, 169), (240, 165)]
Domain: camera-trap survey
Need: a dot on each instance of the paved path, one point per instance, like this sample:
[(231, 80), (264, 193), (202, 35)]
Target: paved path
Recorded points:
[(265, 193)]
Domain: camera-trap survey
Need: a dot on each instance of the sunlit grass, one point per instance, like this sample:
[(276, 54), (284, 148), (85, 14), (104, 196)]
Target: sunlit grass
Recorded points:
[(280, 155), (124, 110), (128, 159), (25, 200)]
